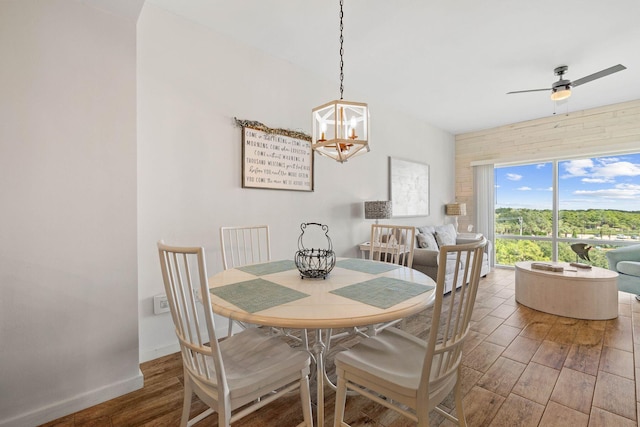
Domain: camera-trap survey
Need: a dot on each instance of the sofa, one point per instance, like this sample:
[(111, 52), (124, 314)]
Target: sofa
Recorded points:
[(626, 261), (429, 238)]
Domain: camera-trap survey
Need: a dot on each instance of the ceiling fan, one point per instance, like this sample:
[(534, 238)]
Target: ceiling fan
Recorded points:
[(562, 88)]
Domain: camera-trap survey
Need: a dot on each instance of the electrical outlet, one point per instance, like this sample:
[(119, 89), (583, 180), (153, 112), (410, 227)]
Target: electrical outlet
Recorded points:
[(160, 304)]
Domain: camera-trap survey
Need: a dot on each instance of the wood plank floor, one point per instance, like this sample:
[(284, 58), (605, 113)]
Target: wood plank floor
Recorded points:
[(521, 368)]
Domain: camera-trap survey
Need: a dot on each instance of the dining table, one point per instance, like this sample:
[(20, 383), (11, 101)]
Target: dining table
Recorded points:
[(355, 293)]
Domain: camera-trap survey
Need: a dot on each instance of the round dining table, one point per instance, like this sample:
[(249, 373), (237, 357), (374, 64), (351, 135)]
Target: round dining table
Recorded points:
[(355, 293)]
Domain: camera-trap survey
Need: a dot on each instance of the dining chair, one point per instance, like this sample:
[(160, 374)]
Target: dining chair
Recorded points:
[(245, 245), (393, 244), (407, 374), (235, 376)]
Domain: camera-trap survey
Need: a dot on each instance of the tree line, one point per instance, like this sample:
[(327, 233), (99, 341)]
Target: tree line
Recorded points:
[(593, 225)]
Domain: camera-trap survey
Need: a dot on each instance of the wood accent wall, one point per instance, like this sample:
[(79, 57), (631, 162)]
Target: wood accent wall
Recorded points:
[(604, 130)]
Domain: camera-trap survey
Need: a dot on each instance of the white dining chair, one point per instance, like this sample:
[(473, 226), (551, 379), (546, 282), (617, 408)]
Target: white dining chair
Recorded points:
[(393, 244), (388, 243), (245, 245), (241, 246), (409, 375), (235, 376)]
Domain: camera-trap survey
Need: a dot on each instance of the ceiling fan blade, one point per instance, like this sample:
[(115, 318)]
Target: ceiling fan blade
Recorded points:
[(530, 90), (598, 75)]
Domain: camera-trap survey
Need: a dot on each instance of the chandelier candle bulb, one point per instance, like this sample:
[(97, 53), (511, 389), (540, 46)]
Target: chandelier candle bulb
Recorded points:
[(353, 128)]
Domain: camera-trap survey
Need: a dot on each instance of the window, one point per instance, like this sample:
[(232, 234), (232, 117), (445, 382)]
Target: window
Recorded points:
[(543, 208)]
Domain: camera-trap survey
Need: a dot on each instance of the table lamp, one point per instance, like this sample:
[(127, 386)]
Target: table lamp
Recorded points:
[(455, 210), (377, 210)]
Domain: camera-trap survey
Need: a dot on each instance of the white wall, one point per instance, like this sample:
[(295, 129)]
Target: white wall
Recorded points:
[(68, 273), (78, 258), (192, 82)]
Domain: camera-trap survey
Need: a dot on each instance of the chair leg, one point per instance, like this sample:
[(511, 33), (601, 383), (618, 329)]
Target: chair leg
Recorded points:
[(424, 422), (305, 397), (462, 422), (422, 413), (341, 399), (230, 331), (186, 404), (224, 416)]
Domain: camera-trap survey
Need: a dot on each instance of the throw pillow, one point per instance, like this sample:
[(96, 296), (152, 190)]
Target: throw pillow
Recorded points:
[(445, 235), (631, 268), (426, 230), (422, 241), (427, 241)]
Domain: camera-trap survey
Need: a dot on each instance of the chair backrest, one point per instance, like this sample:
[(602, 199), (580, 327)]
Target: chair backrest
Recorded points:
[(185, 282), (245, 245), (393, 244), (450, 322)]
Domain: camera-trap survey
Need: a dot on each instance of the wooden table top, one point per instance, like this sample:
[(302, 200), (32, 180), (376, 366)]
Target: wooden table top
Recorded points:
[(318, 303)]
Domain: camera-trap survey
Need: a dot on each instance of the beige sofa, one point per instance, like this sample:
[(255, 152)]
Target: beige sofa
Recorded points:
[(429, 238)]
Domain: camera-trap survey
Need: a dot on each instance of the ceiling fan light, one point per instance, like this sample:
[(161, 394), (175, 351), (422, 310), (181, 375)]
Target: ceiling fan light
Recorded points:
[(560, 93)]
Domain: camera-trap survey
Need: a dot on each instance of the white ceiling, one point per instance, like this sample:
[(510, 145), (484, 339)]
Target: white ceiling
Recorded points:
[(447, 62)]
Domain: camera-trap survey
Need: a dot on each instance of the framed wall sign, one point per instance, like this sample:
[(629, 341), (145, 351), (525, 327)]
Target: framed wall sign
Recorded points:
[(276, 161), (408, 187)]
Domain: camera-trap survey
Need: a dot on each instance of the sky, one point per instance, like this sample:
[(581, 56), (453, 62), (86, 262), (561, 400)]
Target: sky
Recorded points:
[(608, 182)]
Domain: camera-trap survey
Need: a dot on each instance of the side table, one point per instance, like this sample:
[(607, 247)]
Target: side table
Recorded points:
[(364, 248)]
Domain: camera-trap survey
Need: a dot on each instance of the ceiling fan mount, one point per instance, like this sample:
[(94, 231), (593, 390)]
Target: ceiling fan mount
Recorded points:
[(559, 71), (562, 88), (561, 83)]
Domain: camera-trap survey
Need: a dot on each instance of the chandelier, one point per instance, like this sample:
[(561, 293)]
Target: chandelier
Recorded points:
[(341, 128)]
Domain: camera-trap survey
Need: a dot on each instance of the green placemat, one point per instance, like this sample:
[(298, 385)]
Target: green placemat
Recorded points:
[(257, 294), (382, 292), (366, 266), (268, 267)]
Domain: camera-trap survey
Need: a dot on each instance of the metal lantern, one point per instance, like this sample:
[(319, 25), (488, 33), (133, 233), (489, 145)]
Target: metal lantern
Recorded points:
[(341, 129), (311, 262)]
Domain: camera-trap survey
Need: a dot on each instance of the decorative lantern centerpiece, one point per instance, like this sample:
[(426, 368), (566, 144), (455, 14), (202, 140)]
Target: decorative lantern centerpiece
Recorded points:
[(311, 262)]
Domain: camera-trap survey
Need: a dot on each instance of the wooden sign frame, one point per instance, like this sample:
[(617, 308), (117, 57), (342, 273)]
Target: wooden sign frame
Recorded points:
[(276, 161)]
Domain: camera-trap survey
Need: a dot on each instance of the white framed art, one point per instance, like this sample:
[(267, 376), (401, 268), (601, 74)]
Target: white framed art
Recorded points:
[(408, 187)]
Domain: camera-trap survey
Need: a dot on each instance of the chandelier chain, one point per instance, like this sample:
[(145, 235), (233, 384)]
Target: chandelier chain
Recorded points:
[(341, 51)]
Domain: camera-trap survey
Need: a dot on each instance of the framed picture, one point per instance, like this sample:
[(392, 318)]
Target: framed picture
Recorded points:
[(408, 187), (276, 161)]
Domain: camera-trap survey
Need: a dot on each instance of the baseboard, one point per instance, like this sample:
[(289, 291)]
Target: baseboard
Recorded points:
[(148, 355), (75, 404)]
